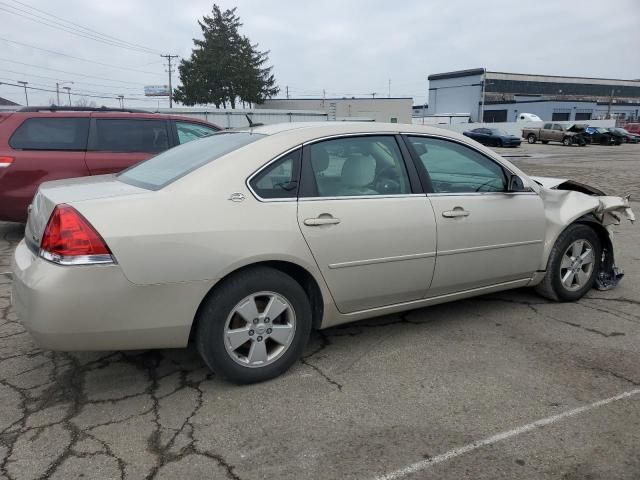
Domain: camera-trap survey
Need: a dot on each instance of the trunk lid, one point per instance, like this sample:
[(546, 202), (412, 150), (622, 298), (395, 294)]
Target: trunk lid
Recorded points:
[(70, 190)]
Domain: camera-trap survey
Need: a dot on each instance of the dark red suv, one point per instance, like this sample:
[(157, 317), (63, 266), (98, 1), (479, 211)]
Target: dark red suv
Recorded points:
[(41, 144)]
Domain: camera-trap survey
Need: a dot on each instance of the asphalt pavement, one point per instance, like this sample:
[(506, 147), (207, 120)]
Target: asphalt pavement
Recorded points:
[(506, 385)]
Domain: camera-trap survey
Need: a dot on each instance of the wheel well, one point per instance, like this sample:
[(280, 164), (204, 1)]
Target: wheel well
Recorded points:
[(605, 240), (299, 274)]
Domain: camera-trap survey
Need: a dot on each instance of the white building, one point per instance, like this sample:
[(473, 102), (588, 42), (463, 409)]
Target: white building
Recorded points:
[(392, 110)]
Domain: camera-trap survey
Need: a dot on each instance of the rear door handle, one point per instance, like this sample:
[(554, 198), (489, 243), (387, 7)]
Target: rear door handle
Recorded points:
[(456, 212), (316, 222)]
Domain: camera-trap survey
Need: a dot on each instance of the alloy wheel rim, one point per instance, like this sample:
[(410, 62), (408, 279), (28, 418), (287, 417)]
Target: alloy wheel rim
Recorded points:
[(576, 267), (259, 329)]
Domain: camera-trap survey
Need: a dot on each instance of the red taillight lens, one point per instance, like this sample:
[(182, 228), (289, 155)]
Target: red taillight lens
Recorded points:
[(69, 234), (6, 161)]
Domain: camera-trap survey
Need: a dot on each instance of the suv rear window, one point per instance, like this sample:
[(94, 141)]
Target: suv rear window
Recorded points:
[(169, 166), (51, 134), (129, 135)]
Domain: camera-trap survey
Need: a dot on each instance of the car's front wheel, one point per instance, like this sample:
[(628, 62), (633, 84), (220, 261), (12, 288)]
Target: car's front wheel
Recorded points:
[(254, 325), (573, 264), (531, 138)]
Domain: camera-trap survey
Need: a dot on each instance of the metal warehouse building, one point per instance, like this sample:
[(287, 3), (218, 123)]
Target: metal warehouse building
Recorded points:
[(501, 97)]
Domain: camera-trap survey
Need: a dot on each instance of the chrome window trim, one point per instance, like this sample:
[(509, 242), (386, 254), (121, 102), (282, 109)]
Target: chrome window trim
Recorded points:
[(472, 147), (359, 197), (468, 194), (351, 134), (265, 166)]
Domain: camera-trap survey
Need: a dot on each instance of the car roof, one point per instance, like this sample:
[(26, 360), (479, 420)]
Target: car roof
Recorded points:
[(321, 129)]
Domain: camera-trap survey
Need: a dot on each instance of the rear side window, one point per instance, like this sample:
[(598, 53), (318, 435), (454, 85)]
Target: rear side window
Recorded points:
[(129, 135), (280, 179), (51, 134), (169, 166), (188, 131)]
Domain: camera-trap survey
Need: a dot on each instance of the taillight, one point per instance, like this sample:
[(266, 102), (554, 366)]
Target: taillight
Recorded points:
[(6, 161), (69, 239)]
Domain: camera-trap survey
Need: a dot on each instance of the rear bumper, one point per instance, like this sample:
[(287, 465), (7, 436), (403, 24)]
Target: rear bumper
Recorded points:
[(97, 308)]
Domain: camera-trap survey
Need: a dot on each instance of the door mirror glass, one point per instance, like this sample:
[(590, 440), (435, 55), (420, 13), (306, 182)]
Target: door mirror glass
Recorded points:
[(515, 184)]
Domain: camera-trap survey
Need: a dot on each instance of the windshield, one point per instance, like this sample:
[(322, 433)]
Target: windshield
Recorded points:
[(497, 131), (161, 170)]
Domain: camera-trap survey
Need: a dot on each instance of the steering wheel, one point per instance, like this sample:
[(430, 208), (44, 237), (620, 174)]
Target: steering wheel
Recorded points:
[(387, 180)]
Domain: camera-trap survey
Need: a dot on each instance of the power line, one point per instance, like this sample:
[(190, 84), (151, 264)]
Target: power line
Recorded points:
[(78, 58), (57, 25), (83, 27), (75, 81), (79, 94), (67, 72)]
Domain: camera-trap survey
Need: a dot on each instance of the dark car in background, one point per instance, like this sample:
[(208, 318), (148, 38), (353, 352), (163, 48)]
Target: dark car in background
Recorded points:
[(602, 136), (627, 137), (50, 143), (493, 137)]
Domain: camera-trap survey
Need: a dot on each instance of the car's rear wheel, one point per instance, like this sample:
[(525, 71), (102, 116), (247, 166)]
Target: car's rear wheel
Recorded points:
[(254, 325), (531, 138), (573, 265), (499, 143)]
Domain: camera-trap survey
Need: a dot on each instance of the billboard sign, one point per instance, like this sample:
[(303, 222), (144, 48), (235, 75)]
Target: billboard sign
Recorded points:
[(156, 90)]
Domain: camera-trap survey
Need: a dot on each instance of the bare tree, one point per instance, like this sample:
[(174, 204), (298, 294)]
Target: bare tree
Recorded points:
[(83, 102)]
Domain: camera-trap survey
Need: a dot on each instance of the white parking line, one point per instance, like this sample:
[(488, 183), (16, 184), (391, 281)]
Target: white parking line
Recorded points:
[(456, 452)]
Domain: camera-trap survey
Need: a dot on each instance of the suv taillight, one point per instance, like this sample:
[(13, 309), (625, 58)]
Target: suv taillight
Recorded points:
[(69, 239), (6, 161)]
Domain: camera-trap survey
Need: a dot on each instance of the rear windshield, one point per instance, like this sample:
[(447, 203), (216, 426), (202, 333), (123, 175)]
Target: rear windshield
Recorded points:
[(167, 167)]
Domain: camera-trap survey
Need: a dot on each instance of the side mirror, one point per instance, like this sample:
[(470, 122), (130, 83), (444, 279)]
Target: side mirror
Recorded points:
[(515, 184), (420, 148)]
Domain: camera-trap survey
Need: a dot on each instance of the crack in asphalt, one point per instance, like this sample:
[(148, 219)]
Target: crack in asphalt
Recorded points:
[(324, 343)]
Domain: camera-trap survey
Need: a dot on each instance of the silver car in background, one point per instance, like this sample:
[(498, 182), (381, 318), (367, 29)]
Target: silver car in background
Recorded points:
[(246, 240)]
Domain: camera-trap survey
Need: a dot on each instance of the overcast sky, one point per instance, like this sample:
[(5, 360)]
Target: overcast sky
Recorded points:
[(347, 47)]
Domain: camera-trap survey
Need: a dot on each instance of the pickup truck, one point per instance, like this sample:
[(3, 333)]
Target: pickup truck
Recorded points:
[(555, 132)]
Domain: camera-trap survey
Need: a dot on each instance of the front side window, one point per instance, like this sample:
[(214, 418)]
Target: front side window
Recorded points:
[(51, 134), (455, 168), (129, 135), (547, 126), (169, 166), (356, 166), (280, 179), (557, 127), (188, 131)]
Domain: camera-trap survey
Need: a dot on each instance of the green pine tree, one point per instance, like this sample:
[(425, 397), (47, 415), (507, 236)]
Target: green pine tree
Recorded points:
[(225, 67)]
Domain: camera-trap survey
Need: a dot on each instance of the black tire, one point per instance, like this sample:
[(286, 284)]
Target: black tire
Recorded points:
[(499, 143), (545, 141), (566, 141), (220, 303), (551, 286), (531, 138)]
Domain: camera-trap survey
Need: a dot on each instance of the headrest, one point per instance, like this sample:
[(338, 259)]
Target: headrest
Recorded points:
[(358, 171), (319, 159)]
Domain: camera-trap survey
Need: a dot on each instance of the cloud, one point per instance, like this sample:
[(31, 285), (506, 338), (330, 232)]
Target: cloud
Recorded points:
[(344, 47)]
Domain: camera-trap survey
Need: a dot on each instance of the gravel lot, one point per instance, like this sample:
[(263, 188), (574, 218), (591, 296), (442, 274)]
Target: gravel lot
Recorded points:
[(408, 394)]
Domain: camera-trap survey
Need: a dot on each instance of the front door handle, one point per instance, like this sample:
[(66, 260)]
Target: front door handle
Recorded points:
[(456, 212), (322, 220)]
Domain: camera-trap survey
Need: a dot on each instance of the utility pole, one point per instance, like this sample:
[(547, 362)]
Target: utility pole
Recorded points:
[(68, 89), (610, 102), (373, 95), (287, 89), (57, 93), (389, 96), (170, 70), (121, 100), (26, 98)]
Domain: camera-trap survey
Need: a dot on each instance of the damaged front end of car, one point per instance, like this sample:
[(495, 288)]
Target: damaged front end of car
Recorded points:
[(568, 201)]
